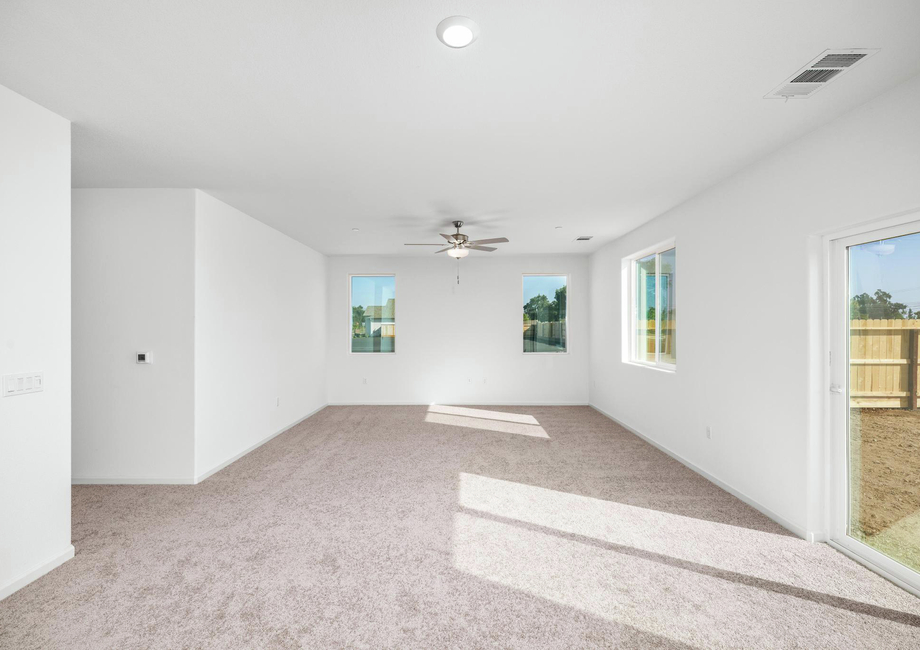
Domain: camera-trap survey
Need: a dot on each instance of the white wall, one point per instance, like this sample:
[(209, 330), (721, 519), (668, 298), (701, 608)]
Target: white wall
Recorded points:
[(458, 343), (751, 357), (34, 336), (134, 290), (232, 311), (260, 332)]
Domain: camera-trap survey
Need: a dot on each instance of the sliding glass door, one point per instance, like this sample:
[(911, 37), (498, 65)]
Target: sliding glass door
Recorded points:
[(875, 284)]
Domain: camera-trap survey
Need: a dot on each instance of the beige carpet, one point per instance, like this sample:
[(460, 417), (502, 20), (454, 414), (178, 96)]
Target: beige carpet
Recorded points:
[(402, 527)]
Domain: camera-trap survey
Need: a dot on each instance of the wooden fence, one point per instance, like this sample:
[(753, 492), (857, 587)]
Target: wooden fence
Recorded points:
[(667, 337), (883, 363), (551, 330)]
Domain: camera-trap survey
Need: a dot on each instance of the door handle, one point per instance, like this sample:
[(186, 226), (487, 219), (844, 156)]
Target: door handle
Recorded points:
[(835, 388)]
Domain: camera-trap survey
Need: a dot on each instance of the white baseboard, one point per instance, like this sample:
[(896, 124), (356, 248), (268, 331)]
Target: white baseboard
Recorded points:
[(798, 531), (36, 573), (131, 481), (233, 459)]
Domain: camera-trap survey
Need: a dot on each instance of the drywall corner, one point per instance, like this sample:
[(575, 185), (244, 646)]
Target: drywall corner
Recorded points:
[(260, 332), (35, 298)]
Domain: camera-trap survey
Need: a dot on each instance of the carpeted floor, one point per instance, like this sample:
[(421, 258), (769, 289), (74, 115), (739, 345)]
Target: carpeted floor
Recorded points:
[(403, 527)]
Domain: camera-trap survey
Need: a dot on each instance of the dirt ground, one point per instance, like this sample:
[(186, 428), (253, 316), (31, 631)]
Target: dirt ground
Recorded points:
[(885, 447)]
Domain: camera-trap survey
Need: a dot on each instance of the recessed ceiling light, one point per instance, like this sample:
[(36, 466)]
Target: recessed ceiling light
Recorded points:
[(457, 36), (457, 31), (355, 229), (558, 227)]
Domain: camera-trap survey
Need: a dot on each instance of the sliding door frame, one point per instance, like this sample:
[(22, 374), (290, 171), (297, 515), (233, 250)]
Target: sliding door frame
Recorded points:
[(838, 395)]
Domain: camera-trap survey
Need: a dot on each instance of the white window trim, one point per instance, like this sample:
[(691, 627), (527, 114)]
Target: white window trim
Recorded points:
[(348, 342), (568, 299), (630, 317)]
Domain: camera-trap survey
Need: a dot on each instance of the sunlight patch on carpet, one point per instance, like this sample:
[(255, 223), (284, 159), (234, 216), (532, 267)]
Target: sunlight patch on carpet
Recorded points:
[(721, 546), (646, 591), (485, 414), (485, 420)]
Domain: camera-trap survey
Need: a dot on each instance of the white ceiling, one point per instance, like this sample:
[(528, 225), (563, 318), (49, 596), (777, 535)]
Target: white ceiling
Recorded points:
[(317, 117)]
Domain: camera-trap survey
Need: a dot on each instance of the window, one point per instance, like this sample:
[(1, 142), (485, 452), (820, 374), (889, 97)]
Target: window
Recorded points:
[(545, 313), (653, 306), (373, 313)]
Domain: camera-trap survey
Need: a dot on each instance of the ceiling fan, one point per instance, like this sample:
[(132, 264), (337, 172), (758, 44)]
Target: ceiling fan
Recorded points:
[(460, 244)]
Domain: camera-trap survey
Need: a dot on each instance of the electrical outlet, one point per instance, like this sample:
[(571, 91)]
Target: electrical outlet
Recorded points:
[(364, 381), (709, 433)]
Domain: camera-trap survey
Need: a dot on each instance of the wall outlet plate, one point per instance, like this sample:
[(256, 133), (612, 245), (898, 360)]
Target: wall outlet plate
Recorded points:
[(144, 357)]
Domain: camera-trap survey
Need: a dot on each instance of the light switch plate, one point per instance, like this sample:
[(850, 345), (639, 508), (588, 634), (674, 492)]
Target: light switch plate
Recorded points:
[(27, 382)]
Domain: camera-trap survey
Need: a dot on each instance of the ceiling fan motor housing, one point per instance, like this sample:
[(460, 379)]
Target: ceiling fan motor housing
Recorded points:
[(460, 244)]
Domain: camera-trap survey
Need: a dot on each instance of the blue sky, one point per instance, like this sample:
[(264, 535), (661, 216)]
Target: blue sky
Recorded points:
[(367, 291), (542, 284), (897, 273)]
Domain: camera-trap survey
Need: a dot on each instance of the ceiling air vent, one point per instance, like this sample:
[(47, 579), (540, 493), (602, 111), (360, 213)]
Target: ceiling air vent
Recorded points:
[(826, 67), (584, 238), (840, 60), (815, 76)]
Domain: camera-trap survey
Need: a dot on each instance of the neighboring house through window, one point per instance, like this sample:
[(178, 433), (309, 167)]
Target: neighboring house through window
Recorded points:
[(373, 313)]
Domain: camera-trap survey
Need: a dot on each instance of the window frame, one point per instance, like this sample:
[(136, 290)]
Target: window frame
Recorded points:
[(350, 321), (630, 306), (568, 285)]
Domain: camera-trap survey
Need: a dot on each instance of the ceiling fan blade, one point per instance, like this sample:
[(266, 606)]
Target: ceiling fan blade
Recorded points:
[(444, 249), (482, 248), (497, 240), (423, 244), (449, 238)]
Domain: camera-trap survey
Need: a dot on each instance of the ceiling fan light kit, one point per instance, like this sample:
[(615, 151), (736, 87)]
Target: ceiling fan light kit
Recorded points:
[(459, 245)]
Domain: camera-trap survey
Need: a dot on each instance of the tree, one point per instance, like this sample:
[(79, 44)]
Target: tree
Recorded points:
[(866, 307), (559, 303), (541, 308), (357, 318), (537, 308)]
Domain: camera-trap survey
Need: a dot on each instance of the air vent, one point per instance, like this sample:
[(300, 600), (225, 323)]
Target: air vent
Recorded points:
[(839, 60), (797, 90), (815, 76), (584, 238), (826, 67)]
